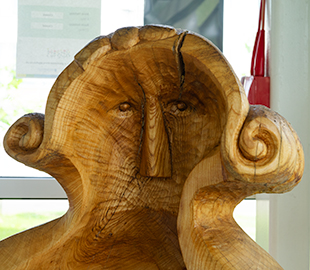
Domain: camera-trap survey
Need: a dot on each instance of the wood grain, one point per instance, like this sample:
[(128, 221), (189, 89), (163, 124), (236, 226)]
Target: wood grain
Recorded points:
[(150, 134)]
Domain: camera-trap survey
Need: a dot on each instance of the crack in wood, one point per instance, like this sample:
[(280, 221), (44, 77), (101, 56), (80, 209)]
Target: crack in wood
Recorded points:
[(179, 60)]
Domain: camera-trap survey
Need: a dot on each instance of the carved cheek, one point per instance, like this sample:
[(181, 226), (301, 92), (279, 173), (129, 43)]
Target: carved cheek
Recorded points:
[(124, 135), (192, 138), (112, 139)]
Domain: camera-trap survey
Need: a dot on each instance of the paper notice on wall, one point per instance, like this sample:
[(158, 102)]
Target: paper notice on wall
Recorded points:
[(50, 33)]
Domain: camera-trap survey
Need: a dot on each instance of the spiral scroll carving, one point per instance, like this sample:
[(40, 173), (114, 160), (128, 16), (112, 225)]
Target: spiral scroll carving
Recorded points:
[(268, 151), (25, 135), (259, 142)]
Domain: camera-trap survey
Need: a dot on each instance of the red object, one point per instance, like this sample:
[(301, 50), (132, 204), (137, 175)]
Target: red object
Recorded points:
[(258, 56), (258, 85), (259, 92)]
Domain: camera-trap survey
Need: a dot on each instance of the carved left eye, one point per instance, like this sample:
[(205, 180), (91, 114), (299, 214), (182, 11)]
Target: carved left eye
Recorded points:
[(124, 107)]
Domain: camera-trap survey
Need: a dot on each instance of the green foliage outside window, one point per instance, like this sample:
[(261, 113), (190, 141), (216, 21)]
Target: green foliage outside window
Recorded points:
[(8, 92)]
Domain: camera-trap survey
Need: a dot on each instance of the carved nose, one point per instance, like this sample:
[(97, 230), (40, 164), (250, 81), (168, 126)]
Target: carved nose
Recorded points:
[(155, 153)]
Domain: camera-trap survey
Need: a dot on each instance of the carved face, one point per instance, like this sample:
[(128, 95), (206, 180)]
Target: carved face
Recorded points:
[(131, 118)]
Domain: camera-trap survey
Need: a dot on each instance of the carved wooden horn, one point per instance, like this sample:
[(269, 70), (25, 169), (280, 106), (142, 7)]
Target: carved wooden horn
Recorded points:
[(260, 152), (24, 138), (28, 139), (266, 151), (258, 145)]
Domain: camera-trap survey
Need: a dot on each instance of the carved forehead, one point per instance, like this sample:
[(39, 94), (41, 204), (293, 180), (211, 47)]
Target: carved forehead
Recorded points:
[(151, 69), (123, 76)]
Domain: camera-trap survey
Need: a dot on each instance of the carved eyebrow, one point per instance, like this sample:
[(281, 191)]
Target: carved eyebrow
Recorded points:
[(201, 93), (193, 97), (111, 97)]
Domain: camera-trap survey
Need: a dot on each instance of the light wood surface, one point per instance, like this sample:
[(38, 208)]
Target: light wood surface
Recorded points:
[(150, 134)]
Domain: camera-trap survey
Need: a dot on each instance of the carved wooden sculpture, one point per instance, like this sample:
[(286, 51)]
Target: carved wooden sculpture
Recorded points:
[(150, 134)]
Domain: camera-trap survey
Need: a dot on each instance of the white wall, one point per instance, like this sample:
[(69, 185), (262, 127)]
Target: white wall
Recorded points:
[(290, 96)]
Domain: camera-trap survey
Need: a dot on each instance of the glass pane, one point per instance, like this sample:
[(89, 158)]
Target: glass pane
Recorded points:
[(240, 27), (19, 215), (245, 216)]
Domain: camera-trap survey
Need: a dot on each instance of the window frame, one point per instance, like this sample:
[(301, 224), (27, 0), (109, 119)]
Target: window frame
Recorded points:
[(31, 188)]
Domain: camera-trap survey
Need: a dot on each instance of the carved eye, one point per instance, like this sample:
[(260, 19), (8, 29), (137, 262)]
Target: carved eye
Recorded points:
[(181, 106), (124, 107), (178, 106)]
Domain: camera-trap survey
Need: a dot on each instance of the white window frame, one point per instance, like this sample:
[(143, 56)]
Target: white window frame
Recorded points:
[(30, 188)]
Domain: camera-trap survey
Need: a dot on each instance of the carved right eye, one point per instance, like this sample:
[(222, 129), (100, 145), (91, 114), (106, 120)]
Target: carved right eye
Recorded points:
[(179, 107), (124, 107), (182, 106)]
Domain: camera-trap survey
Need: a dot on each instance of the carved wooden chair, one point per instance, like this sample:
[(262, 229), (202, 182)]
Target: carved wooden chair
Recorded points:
[(151, 135)]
